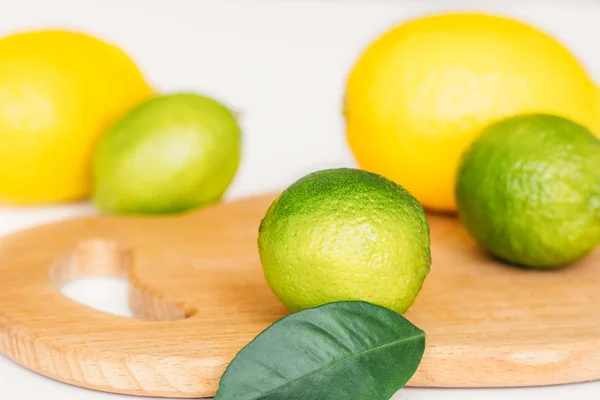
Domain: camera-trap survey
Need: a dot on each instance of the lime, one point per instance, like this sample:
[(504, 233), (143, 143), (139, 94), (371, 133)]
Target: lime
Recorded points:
[(528, 190), (345, 234), (168, 154)]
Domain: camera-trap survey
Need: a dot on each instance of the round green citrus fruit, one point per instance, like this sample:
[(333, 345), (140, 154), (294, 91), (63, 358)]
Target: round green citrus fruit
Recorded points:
[(528, 190), (168, 154), (345, 234)]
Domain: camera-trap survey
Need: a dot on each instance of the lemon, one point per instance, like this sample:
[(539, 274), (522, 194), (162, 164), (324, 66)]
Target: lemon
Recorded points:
[(168, 154), (422, 91), (345, 234), (528, 190), (58, 91)]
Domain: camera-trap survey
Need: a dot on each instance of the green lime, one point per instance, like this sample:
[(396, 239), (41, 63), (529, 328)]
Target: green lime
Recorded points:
[(528, 190), (345, 234), (168, 154)]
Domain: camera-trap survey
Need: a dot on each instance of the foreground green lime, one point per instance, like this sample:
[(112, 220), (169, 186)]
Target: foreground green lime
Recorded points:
[(528, 190), (169, 154), (345, 234)]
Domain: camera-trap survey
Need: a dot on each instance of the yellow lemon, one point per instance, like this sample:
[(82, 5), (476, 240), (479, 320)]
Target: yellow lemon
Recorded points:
[(422, 92), (58, 91)]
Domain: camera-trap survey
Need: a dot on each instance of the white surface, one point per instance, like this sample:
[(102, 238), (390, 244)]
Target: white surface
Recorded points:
[(283, 65)]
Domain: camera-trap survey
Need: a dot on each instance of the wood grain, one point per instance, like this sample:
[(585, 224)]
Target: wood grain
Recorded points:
[(197, 285)]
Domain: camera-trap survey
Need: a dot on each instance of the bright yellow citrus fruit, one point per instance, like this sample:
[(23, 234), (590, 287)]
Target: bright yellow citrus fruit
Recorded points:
[(58, 92), (420, 94)]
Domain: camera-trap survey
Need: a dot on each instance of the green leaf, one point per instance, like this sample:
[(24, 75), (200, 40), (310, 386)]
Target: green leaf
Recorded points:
[(343, 350)]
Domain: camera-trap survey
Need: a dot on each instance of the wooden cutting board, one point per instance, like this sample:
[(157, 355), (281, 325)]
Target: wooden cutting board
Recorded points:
[(197, 286)]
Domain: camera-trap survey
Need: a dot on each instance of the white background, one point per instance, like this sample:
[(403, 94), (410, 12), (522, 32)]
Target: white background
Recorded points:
[(283, 65)]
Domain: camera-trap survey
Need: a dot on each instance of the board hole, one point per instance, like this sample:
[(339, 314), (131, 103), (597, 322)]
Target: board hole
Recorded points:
[(102, 293), (95, 274)]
